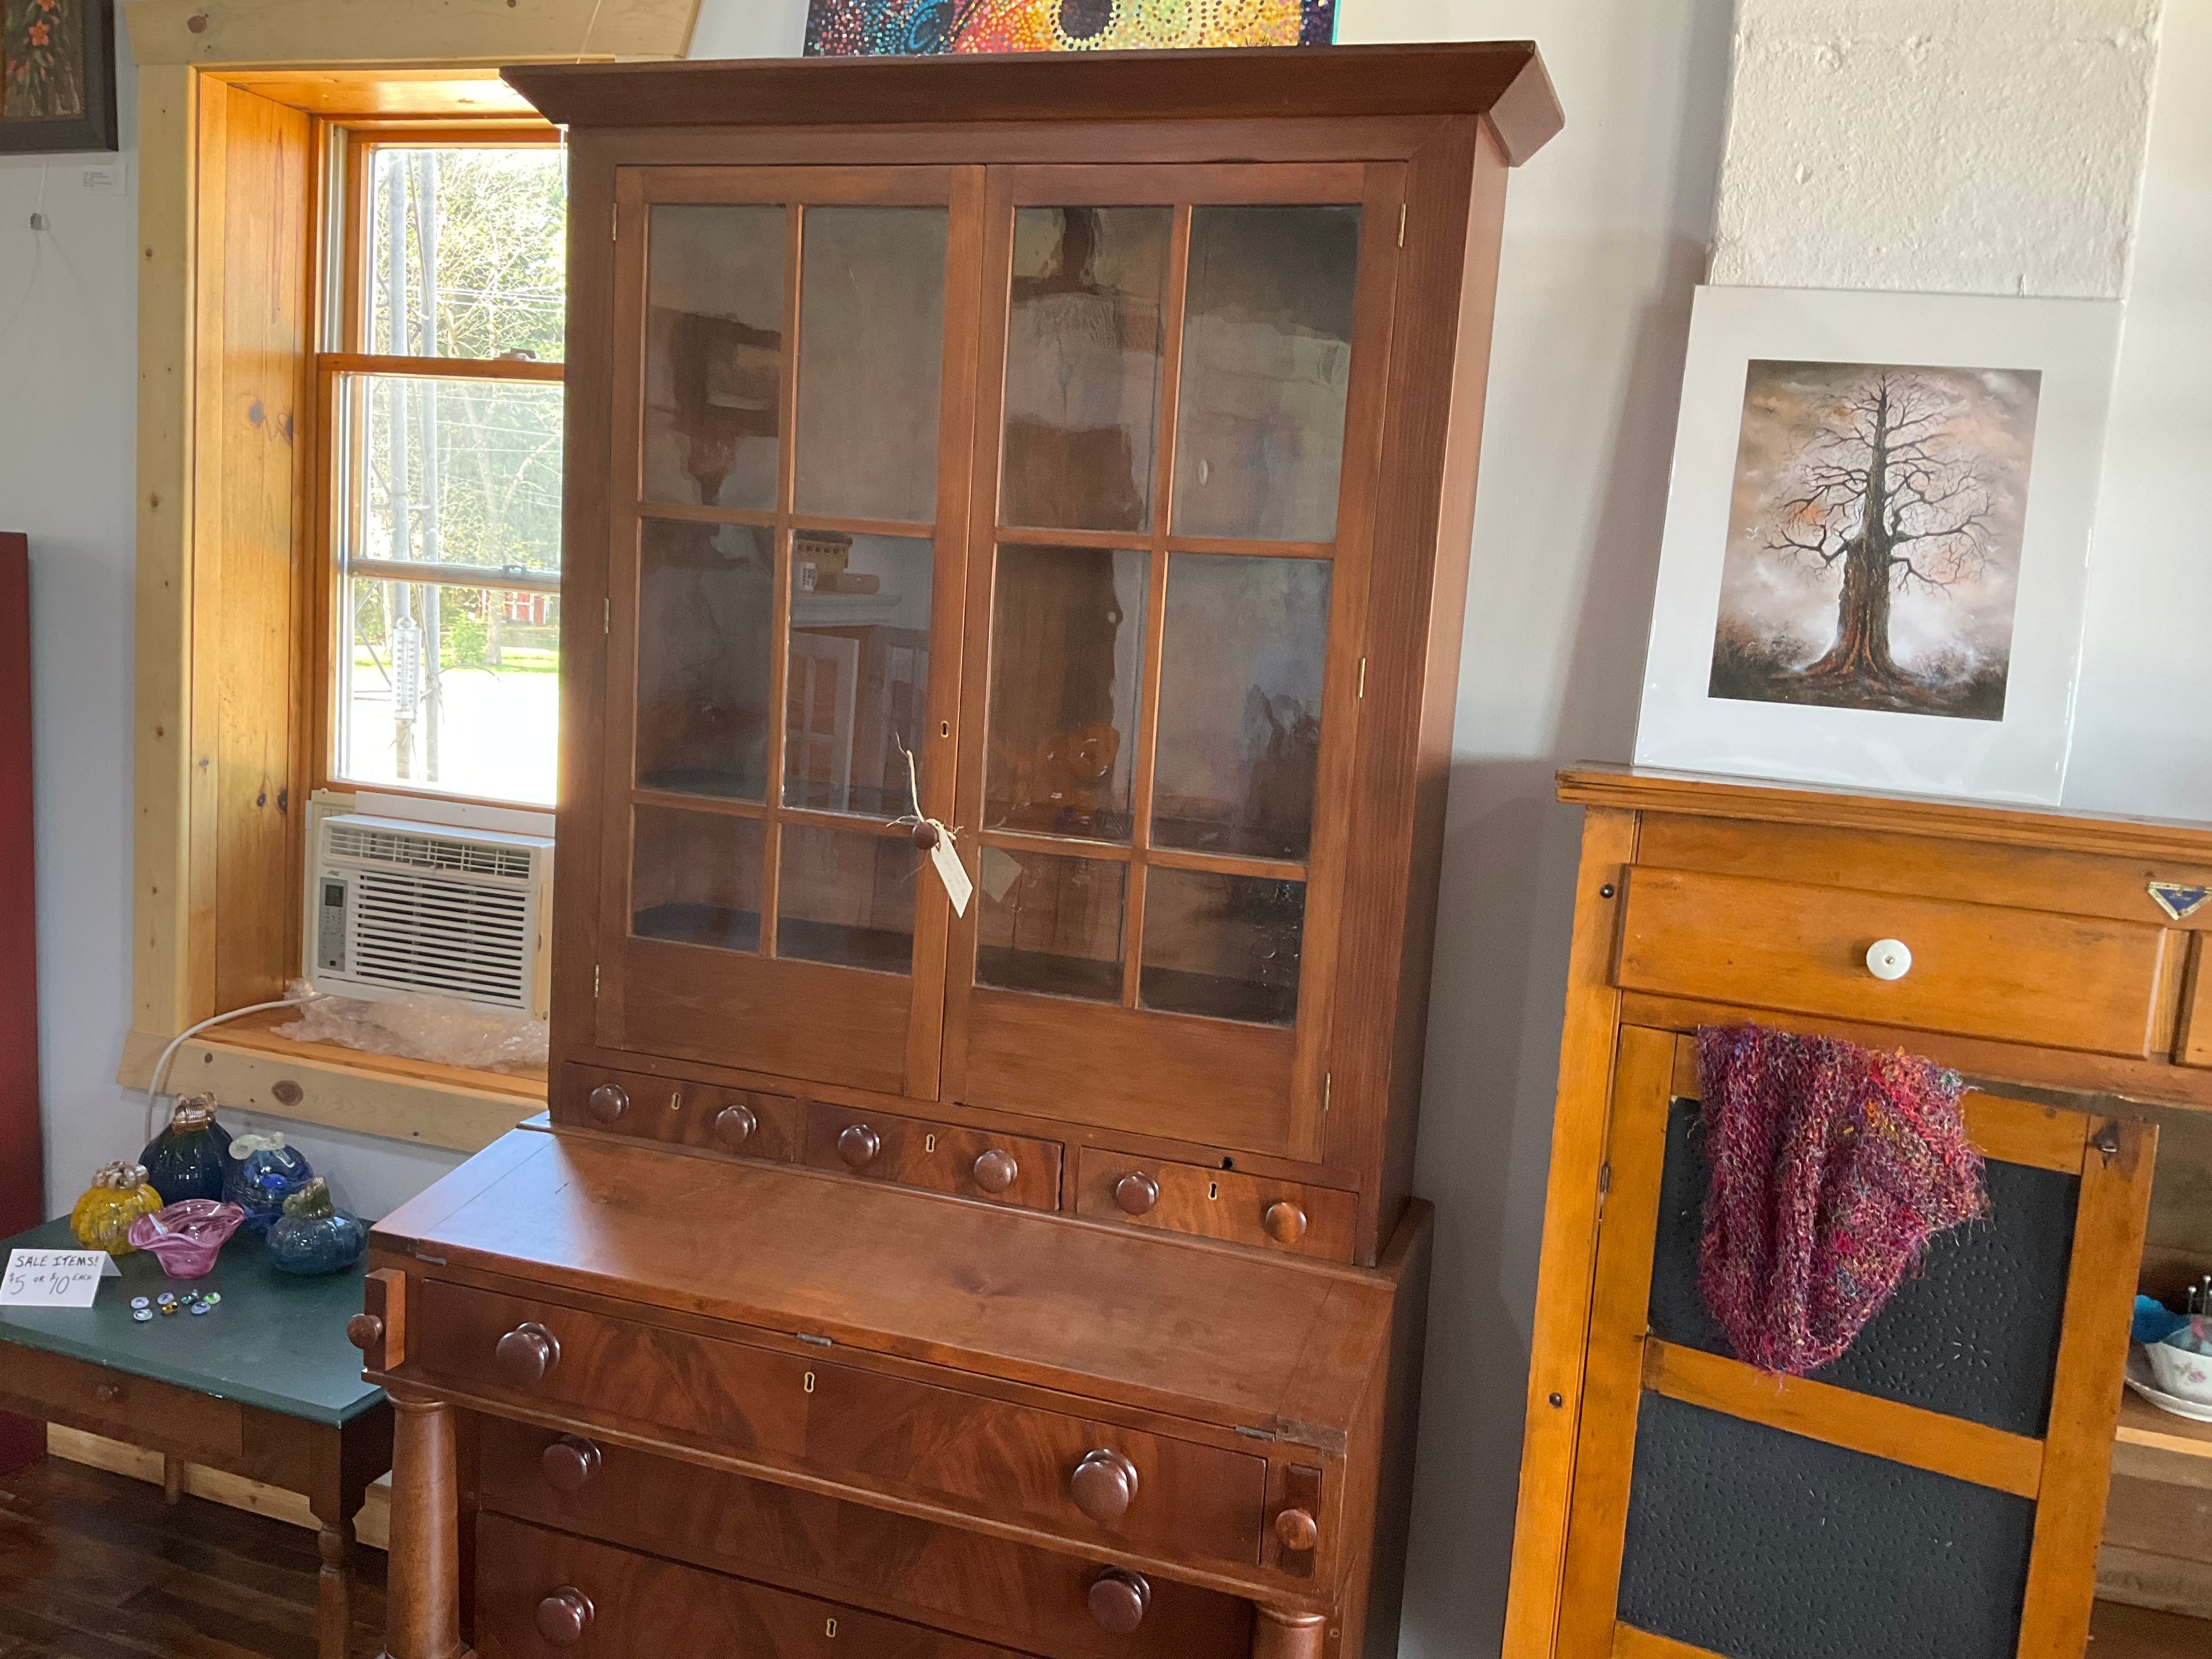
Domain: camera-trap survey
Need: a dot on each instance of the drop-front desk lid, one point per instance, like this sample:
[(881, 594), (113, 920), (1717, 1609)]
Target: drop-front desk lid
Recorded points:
[(1148, 1319)]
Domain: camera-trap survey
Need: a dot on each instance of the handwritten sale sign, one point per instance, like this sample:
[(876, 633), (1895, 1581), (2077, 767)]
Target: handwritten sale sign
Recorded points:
[(53, 1279)]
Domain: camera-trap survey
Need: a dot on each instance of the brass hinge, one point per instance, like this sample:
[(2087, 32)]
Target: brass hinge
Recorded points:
[(614, 227), (595, 982), (1363, 681), (607, 615), (1401, 224), (1604, 1187), (1327, 1078)]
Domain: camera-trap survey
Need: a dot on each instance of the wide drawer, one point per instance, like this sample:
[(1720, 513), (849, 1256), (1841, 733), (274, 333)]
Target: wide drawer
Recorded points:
[(884, 1434), (96, 1398), (937, 1158), (1190, 1198), (1981, 971), (680, 1112), (984, 1587), (542, 1594)]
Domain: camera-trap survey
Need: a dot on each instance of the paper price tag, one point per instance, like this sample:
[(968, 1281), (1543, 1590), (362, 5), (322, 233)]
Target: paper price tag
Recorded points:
[(953, 873), (54, 1279)]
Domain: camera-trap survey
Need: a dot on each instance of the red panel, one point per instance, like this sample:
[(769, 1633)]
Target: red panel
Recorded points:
[(22, 1158)]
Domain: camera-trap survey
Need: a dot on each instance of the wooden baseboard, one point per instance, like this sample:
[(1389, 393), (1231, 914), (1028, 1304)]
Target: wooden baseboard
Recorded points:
[(371, 1526)]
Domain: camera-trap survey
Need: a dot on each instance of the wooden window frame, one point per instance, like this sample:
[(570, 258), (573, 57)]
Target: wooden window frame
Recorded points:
[(228, 741)]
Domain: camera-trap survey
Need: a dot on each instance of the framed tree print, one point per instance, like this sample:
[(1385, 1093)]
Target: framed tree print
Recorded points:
[(57, 76)]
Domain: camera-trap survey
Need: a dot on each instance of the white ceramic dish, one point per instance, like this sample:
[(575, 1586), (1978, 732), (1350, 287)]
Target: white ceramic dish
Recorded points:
[(2140, 1380)]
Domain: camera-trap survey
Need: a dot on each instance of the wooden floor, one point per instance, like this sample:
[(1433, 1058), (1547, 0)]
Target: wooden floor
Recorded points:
[(94, 1565)]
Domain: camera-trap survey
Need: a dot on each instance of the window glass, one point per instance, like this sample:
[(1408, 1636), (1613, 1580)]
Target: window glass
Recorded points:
[(468, 252)]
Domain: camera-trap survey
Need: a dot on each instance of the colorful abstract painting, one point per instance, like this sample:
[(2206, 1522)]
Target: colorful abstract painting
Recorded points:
[(846, 28), (57, 75)]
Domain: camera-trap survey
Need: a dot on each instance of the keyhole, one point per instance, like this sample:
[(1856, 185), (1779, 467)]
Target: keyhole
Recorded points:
[(929, 1143), (676, 1100), (810, 1382), (831, 1629), (1213, 1189)]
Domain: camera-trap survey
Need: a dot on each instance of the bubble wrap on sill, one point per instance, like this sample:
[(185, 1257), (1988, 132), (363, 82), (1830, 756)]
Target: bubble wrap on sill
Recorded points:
[(436, 1029)]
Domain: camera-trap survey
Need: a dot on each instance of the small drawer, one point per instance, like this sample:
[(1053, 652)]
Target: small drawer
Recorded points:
[(1225, 1204), (1033, 1599), (724, 1394), (1982, 971), (542, 1594), (938, 1157), (681, 1113), (85, 1395)]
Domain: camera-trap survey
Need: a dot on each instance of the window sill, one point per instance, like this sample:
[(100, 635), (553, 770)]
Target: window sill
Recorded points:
[(245, 1066)]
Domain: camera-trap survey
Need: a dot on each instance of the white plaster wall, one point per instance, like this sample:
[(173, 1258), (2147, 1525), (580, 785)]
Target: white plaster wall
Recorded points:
[(1958, 146)]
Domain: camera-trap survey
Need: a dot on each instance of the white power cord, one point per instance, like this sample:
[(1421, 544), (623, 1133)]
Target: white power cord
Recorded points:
[(161, 1065)]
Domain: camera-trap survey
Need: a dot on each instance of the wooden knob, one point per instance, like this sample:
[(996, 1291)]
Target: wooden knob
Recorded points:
[(1118, 1600), (995, 1170), (1104, 1485), (527, 1354), (608, 1101), (1297, 1530), (364, 1331), (1285, 1221), (858, 1146), (564, 1616), (108, 1393), (569, 1463), (1136, 1193), (734, 1124)]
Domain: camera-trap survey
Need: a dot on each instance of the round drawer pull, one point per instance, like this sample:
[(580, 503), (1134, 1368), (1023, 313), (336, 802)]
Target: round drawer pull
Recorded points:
[(995, 1170), (108, 1393), (608, 1101), (858, 1146), (527, 1354), (734, 1124), (1889, 958), (1104, 1485), (1118, 1600), (1285, 1221), (564, 1616), (1296, 1530), (569, 1463), (1136, 1193), (364, 1331)]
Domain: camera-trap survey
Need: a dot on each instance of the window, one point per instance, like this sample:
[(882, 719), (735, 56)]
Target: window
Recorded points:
[(443, 404)]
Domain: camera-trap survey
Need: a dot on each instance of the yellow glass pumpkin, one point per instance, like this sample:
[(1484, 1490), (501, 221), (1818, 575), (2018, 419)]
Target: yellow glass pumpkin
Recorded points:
[(118, 1195)]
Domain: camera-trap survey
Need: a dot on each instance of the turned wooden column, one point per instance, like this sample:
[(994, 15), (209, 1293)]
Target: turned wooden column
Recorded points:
[(334, 1590), (423, 1598), (1287, 1635)]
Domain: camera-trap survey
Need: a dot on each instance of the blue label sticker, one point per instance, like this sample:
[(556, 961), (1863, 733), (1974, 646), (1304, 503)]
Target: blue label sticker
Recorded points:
[(2178, 902)]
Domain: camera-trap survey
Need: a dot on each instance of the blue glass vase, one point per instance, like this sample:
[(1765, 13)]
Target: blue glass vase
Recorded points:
[(190, 1159), (313, 1235), (265, 1173)]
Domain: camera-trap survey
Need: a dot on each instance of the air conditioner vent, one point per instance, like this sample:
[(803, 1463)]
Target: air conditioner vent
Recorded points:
[(419, 934), (355, 841)]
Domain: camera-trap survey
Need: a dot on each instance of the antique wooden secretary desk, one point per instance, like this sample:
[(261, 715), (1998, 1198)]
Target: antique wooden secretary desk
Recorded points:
[(1039, 1277)]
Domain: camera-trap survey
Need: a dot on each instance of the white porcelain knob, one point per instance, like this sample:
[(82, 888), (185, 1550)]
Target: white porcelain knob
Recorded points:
[(1889, 958)]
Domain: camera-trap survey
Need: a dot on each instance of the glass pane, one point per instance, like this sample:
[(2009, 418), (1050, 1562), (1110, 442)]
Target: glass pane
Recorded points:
[(455, 471), (1083, 346), (859, 689), (468, 252), (1240, 704), (706, 599), (713, 355), (871, 361), (1067, 644), (847, 899), (696, 878), (1223, 946), (479, 716), (1266, 361), (1052, 924)]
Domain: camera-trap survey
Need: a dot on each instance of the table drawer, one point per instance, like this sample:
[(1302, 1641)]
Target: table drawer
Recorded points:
[(543, 1595), (976, 1455), (84, 1395), (1982, 971), (1227, 1203), (683, 1113), (1030, 1598), (938, 1157)]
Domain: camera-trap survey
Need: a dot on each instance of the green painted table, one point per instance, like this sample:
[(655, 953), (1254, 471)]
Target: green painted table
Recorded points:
[(265, 1386)]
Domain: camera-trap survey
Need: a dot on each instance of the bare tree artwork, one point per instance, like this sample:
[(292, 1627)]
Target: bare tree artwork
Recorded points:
[(1874, 538)]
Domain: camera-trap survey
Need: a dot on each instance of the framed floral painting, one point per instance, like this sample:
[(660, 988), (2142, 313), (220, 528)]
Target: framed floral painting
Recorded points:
[(57, 75)]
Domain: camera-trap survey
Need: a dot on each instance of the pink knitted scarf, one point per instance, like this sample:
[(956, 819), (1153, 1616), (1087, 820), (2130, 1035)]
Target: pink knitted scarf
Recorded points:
[(1833, 1166)]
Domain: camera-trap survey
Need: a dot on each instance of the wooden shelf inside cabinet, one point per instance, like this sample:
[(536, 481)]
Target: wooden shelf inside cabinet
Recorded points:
[(2142, 1424)]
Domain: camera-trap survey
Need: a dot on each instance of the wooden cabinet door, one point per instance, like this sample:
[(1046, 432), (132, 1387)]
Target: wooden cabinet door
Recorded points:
[(1175, 446), (793, 395)]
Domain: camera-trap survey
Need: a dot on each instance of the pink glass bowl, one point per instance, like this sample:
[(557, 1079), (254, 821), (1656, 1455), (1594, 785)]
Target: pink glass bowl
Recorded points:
[(186, 1237)]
